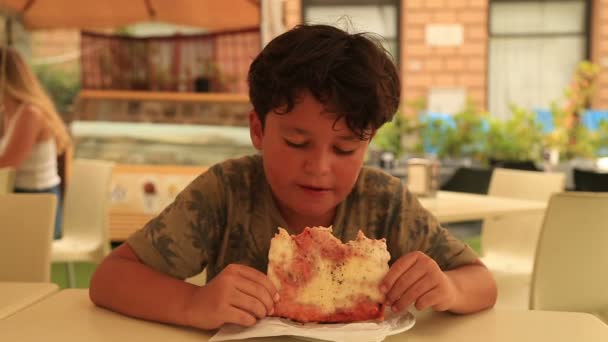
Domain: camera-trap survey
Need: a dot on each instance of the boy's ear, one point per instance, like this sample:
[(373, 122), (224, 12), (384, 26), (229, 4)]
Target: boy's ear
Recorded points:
[(255, 130)]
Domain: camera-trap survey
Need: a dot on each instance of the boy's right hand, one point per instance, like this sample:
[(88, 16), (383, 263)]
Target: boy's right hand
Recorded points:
[(239, 295)]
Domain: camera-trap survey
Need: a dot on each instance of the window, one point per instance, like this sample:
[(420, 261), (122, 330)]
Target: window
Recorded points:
[(534, 49), (380, 17)]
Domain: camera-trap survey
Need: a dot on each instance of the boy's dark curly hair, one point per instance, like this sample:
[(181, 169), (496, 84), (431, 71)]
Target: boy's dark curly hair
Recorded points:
[(352, 75)]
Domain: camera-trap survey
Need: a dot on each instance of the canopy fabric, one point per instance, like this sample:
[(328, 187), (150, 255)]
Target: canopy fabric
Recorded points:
[(94, 14)]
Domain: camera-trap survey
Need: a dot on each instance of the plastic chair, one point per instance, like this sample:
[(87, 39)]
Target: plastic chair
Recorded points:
[(7, 180), (26, 226), (471, 180), (85, 228), (585, 180), (517, 165), (572, 258), (508, 243)]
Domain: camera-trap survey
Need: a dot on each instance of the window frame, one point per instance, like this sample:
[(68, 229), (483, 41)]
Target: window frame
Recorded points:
[(586, 34), (335, 3)]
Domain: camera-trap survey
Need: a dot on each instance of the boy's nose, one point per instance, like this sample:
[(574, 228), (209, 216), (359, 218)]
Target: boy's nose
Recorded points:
[(318, 164)]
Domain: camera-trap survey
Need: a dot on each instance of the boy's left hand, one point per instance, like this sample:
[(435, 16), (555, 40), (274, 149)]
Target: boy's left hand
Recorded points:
[(415, 278)]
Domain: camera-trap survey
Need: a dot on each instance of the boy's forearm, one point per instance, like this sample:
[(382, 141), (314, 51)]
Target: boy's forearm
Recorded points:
[(475, 286), (131, 288)]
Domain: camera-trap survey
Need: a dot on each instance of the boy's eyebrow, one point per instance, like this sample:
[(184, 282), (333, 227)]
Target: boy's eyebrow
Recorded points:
[(348, 137)]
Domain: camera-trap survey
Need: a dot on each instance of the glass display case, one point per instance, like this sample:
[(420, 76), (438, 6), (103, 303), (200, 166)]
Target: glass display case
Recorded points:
[(159, 142)]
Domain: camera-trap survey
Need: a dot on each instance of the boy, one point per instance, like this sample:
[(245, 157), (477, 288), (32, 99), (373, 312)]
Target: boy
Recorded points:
[(318, 96)]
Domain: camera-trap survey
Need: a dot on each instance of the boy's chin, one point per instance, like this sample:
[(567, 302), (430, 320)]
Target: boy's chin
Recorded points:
[(312, 209)]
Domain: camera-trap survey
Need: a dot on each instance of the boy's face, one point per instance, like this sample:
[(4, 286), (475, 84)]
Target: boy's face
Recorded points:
[(310, 163)]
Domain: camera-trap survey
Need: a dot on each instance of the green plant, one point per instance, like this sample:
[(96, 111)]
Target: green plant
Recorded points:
[(401, 135), (569, 136), (388, 137), (516, 139), (61, 85), (461, 139), (602, 139)]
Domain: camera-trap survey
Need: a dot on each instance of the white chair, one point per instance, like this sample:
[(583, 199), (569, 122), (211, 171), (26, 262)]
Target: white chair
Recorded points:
[(570, 271), (26, 226), (7, 180), (508, 243), (85, 228)]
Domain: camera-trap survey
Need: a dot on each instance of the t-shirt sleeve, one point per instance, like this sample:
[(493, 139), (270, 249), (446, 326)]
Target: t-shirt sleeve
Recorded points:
[(182, 239), (421, 231)]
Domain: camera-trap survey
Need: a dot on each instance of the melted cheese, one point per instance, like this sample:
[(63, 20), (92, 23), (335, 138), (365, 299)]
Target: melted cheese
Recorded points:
[(334, 288), (334, 285), (282, 250)]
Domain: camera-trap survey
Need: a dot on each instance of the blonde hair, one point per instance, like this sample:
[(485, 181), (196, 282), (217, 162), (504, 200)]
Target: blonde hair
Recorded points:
[(21, 83)]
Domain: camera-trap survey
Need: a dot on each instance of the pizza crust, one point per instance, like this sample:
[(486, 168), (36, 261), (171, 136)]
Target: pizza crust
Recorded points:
[(320, 279)]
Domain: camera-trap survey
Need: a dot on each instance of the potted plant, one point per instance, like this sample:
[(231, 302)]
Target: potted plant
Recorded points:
[(602, 139), (388, 137), (569, 137), (460, 138), (516, 142)]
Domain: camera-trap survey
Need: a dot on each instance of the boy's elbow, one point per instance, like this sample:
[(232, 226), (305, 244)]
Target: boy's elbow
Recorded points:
[(93, 295), (103, 284), (97, 285), (492, 292), (491, 287)]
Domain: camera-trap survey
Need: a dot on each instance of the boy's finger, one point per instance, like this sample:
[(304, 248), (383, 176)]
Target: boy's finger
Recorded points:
[(248, 303), (260, 278), (399, 267), (415, 291), (238, 316), (428, 299), (404, 282), (257, 291)]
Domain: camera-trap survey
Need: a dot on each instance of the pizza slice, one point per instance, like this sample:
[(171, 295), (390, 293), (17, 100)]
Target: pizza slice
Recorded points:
[(320, 279)]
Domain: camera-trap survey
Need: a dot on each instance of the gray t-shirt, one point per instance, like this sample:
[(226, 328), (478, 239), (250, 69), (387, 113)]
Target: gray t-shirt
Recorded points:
[(228, 215)]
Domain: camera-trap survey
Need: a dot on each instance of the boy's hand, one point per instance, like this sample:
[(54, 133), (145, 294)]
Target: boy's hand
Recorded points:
[(415, 278), (239, 295)]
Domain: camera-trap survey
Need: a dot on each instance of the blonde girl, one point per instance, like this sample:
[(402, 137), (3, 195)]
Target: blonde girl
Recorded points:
[(33, 134)]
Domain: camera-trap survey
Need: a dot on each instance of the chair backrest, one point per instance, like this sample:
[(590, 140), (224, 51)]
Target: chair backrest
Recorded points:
[(26, 226), (572, 258), (467, 179), (517, 165), (590, 181), (518, 234), (529, 185), (7, 180), (85, 210)]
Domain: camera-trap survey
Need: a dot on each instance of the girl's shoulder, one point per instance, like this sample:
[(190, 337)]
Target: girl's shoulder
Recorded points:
[(31, 118)]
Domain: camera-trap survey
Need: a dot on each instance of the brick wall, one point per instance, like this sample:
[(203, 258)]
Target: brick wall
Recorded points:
[(599, 50), (423, 66), (463, 66)]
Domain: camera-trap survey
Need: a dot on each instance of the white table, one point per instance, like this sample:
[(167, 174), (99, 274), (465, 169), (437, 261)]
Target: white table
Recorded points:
[(15, 296), (450, 206), (70, 316)]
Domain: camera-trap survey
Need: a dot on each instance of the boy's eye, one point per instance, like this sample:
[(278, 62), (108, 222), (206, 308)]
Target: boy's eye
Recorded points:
[(342, 152), (295, 145)]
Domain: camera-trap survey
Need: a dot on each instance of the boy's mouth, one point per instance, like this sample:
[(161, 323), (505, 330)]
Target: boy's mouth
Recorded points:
[(313, 188)]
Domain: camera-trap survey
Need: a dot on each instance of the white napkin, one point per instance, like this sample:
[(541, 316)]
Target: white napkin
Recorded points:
[(364, 331)]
